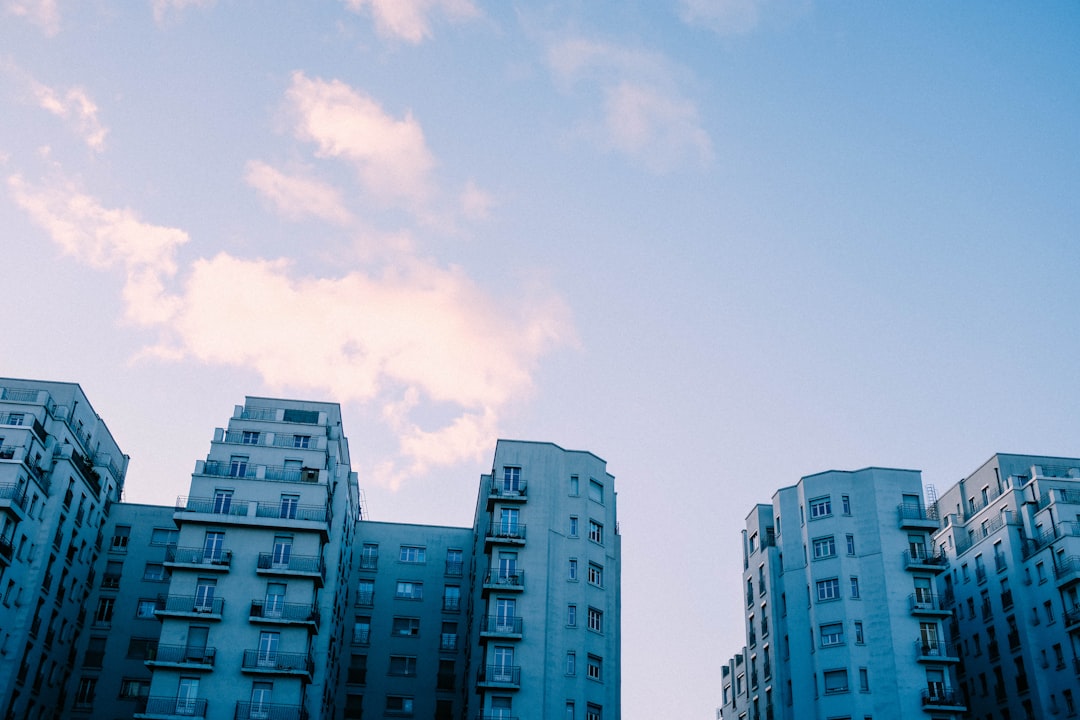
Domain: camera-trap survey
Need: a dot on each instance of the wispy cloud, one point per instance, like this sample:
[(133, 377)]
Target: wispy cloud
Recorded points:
[(297, 197), (400, 334), (163, 8), (410, 20), (43, 13), (389, 154), (726, 17), (643, 114), (75, 106)]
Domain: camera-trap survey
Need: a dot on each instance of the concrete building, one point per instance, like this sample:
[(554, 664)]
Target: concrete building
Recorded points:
[(60, 471), (842, 620), (253, 621), (1011, 541)]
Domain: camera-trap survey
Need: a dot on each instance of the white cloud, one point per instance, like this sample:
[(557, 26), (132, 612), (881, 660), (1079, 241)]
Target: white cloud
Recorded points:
[(75, 106), (476, 204), (297, 197), (408, 328), (390, 155), (43, 13), (162, 8), (643, 113), (726, 17), (410, 20)]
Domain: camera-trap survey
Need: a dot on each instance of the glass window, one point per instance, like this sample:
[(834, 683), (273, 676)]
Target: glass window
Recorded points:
[(836, 681), (596, 574), (410, 590), (406, 626), (571, 663), (824, 547), (571, 615), (596, 619), (412, 554), (369, 556), (594, 668), (820, 507), (596, 491), (596, 532), (832, 634), (828, 589)]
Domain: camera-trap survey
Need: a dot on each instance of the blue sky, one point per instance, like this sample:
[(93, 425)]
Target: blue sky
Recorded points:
[(720, 243)]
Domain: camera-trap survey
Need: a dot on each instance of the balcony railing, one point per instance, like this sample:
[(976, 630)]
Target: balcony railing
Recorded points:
[(512, 491), (180, 655), (501, 625), (454, 569), (184, 604), (285, 511), (451, 604), (273, 661), (925, 602), (269, 711), (513, 532), (936, 650), (1072, 616), (249, 471), (279, 612), (1067, 570), (915, 514), (506, 676), (944, 697), (921, 559), (14, 494), (298, 564), (505, 580), (157, 706), (198, 556), (212, 506)]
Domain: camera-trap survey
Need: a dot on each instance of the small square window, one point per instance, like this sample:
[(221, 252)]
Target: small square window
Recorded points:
[(828, 589)]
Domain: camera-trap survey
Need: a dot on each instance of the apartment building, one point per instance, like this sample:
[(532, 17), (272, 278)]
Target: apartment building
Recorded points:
[(60, 471), (841, 615), (1011, 542), (253, 620)]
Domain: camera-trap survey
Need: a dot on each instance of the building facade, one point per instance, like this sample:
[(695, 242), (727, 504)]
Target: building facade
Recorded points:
[(1011, 538), (60, 472), (841, 614)]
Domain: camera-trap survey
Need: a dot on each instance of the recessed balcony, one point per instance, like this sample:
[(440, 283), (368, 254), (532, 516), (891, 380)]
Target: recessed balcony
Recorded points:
[(1068, 571), (927, 604), (189, 606), (271, 662), (181, 657), (282, 613), (505, 534), (921, 561), (166, 708), (506, 491), (496, 627), (1072, 618), (269, 711), (499, 677), (505, 581), (198, 558), (942, 699), (305, 566), (936, 652)]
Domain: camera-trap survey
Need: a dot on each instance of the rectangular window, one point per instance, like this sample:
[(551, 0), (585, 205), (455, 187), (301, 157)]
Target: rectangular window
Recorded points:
[(596, 491), (134, 688), (574, 485), (596, 574), (864, 680), (145, 609), (451, 598), (412, 554), (403, 665), (222, 502), (454, 562), (301, 441), (164, 536), (104, 613), (824, 547), (859, 638), (365, 592), (573, 526), (845, 503), (820, 507), (448, 638), (238, 466), (572, 570), (120, 538), (571, 615), (596, 532), (511, 480), (369, 556), (290, 503), (405, 627), (362, 630), (399, 705), (249, 437), (828, 589), (836, 681), (593, 712), (594, 668), (832, 634), (854, 587), (850, 544), (571, 663), (596, 619), (410, 590)]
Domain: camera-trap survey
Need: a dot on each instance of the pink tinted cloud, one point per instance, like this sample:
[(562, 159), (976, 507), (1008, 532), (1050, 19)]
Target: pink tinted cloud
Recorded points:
[(410, 20), (296, 197)]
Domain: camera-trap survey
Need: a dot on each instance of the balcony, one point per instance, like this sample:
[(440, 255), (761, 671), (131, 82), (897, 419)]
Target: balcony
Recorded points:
[(1067, 571), (500, 628), (1072, 618), (279, 613), (181, 657), (6, 549), (505, 581), (263, 662), (920, 561), (166, 708), (220, 508), (926, 604), (247, 471), (506, 491), (313, 517), (942, 699), (269, 711), (306, 566), (281, 514), (499, 677), (936, 652), (197, 558), (505, 534), (914, 516), (189, 606), (13, 501)]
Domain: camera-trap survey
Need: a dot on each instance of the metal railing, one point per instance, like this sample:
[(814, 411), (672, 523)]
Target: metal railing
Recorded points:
[(285, 612), (288, 511), (212, 506), (180, 654), (506, 531), (496, 624), (172, 706), (508, 675), (942, 696), (269, 711), (278, 661), (198, 556), (935, 649), (310, 564), (504, 578), (14, 493), (190, 604)]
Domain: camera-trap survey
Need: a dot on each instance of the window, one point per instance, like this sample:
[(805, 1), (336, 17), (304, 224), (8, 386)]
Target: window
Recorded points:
[(571, 663), (248, 437), (854, 587), (451, 598), (238, 466), (832, 634), (596, 491), (824, 547), (365, 592), (140, 648), (448, 638), (120, 538), (571, 615), (403, 665), (511, 479), (864, 680), (859, 637), (410, 590), (357, 669), (369, 556), (301, 441), (222, 502), (596, 574), (1048, 606), (282, 551), (84, 694), (574, 485), (828, 589), (399, 705), (850, 544), (164, 536), (454, 565), (569, 715), (845, 503), (362, 630), (405, 627), (412, 554), (596, 532), (572, 570), (573, 526), (820, 507), (103, 614), (596, 619), (594, 668), (290, 503), (212, 547), (593, 712), (836, 681), (145, 608), (134, 688)]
